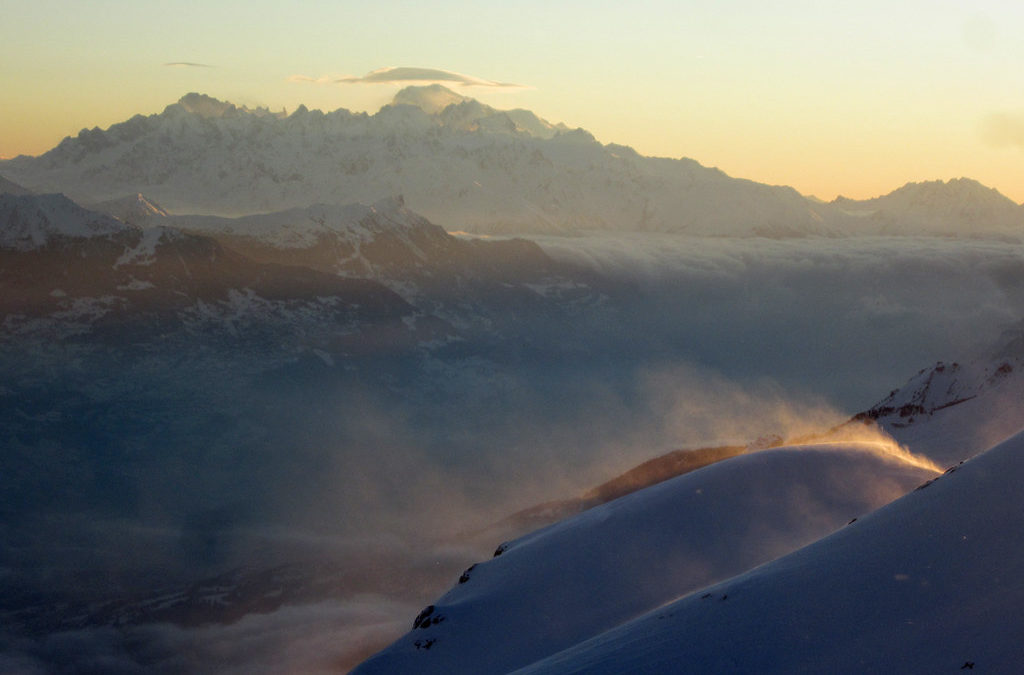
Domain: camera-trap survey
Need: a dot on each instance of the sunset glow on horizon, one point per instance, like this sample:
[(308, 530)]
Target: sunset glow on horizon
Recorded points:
[(850, 99)]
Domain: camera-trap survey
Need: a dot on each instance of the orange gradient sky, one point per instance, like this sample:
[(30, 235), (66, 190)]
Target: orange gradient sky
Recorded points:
[(852, 98)]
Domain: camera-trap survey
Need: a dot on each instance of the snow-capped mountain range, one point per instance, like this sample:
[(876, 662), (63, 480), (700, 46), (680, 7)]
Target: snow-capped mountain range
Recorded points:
[(464, 283), (465, 166), (67, 270), (389, 243)]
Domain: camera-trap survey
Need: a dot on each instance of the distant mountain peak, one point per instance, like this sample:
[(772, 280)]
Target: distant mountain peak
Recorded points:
[(134, 209), (955, 207), (32, 221), (958, 188), (206, 106), (934, 190), (462, 112), (148, 205), (431, 99)]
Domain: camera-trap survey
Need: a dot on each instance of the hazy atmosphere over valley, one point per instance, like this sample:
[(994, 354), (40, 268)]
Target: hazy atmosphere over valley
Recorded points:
[(464, 338)]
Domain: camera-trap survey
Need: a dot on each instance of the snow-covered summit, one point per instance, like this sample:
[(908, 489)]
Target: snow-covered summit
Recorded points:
[(958, 207), (431, 99), (205, 106), (952, 411), (33, 221), (940, 387), (209, 107), (456, 111)]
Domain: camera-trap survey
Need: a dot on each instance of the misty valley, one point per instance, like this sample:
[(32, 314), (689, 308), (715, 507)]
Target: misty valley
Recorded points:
[(449, 389)]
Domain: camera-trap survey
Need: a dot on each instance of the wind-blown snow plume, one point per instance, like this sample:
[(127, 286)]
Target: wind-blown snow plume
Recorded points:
[(929, 583), (579, 577)]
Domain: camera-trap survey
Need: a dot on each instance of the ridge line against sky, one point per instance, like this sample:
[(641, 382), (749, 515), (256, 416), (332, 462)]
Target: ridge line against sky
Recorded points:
[(853, 99)]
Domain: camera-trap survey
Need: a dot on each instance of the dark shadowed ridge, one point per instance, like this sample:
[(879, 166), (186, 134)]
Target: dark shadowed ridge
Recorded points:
[(12, 188)]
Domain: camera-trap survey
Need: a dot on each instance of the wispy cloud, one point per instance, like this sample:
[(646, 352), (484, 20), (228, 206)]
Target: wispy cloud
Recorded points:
[(326, 79), (187, 64), (411, 75), (1004, 129)]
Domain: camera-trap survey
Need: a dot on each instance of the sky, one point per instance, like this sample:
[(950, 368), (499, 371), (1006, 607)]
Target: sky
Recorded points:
[(852, 98)]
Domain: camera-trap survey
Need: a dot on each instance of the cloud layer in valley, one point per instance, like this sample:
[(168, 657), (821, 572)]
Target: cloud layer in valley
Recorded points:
[(843, 319)]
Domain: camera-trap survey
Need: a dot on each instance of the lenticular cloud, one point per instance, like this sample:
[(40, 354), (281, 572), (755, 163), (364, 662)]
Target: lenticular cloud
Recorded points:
[(407, 74)]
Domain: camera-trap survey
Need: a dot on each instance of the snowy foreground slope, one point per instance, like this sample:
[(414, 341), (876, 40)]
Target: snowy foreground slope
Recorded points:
[(565, 583), (927, 584)]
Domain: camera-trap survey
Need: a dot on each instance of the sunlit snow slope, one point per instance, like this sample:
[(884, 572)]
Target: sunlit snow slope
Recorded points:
[(577, 578), (928, 584)]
